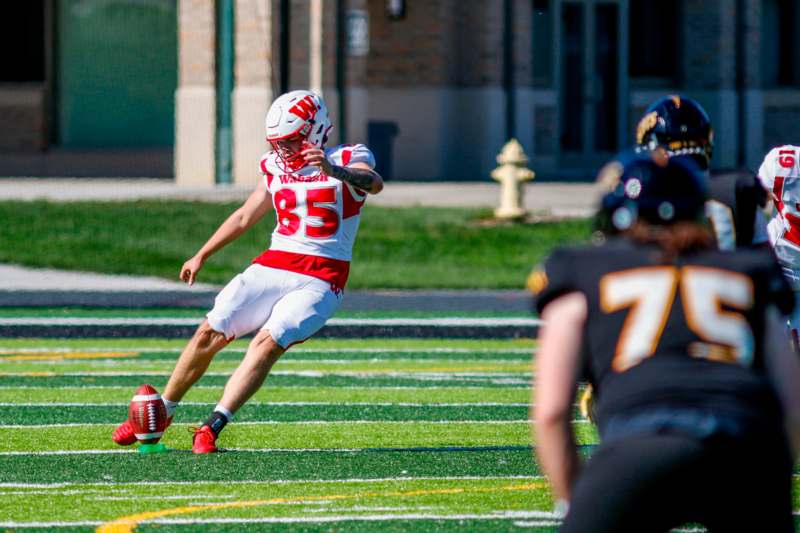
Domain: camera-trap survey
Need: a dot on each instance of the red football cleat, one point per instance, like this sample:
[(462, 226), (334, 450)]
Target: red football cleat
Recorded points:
[(124, 434), (203, 440)]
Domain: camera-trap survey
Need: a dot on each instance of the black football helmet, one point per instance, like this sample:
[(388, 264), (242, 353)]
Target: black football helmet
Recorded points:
[(681, 126), (653, 187)]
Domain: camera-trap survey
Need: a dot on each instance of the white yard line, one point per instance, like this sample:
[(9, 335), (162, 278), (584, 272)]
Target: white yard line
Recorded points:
[(524, 518), (220, 387), (136, 497), (364, 518), (68, 492), (546, 518), (20, 525), (59, 485), (505, 379), (347, 450), (71, 452), (304, 373), (256, 450), (279, 404), (5, 350), (165, 321), (292, 362), (302, 423)]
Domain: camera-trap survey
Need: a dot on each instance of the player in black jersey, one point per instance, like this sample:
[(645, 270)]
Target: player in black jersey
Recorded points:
[(681, 126), (697, 394)]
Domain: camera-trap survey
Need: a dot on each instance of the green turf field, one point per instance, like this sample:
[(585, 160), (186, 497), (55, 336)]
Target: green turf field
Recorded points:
[(397, 434)]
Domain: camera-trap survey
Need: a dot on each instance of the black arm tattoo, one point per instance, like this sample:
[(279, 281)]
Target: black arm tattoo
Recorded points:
[(361, 178)]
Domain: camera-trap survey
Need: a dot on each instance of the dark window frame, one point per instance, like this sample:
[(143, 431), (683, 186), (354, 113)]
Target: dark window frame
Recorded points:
[(786, 73), (655, 42), (23, 39), (542, 43)]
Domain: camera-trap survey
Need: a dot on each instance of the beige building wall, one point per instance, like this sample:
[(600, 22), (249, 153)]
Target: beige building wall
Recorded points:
[(252, 93), (195, 98), (437, 74)]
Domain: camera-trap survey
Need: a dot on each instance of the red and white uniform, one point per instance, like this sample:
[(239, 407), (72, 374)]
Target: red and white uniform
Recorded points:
[(780, 174), (317, 216), (296, 285)]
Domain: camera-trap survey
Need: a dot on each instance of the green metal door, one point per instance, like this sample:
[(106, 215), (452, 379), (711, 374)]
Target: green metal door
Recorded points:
[(116, 73)]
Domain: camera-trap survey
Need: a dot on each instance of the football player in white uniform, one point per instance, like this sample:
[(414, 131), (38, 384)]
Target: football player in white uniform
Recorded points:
[(780, 174), (295, 286)]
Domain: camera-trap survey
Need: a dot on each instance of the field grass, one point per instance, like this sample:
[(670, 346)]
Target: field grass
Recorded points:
[(396, 247), (411, 434), (396, 434)]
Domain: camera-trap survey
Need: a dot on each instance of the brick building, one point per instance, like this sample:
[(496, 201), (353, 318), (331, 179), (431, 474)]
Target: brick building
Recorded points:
[(180, 87)]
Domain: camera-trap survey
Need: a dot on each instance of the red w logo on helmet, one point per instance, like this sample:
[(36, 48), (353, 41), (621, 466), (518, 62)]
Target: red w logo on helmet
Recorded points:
[(305, 108)]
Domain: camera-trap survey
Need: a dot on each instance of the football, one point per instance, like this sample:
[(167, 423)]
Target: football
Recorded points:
[(147, 415)]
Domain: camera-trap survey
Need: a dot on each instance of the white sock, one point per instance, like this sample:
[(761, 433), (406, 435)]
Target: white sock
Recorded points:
[(170, 405), (220, 409)]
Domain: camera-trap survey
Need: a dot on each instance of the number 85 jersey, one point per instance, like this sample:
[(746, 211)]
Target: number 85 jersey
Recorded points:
[(317, 216)]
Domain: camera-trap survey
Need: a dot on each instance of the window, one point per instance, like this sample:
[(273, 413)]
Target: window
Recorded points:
[(654, 39), (22, 41), (780, 62), (542, 42)]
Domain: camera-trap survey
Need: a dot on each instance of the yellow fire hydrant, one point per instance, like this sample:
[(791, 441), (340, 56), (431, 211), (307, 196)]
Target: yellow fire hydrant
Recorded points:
[(512, 174)]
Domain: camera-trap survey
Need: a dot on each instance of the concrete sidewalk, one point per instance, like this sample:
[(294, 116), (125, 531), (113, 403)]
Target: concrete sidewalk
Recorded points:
[(17, 278), (557, 199)]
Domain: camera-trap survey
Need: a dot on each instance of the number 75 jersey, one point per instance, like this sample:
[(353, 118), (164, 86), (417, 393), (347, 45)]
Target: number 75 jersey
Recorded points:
[(688, 332), (317, 215)]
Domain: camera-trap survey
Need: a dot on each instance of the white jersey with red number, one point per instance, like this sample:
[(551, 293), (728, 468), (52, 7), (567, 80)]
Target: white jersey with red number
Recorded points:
[(780, 174), (317, 216)]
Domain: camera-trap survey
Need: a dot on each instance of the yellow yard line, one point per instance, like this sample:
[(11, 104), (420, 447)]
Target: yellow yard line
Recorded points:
[(127, 524), (29, 374), (60, 356), (467, 368)]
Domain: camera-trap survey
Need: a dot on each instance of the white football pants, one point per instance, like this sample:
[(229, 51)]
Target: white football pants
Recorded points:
[(291, 306)]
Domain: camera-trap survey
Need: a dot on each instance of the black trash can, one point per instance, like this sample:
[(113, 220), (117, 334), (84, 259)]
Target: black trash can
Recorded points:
[(380, 138)]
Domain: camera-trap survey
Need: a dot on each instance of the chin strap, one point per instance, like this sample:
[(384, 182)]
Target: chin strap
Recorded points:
[(294, 161)]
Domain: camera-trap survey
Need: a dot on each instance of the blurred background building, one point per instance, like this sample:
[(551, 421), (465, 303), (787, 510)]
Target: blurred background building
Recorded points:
[(179, 88)]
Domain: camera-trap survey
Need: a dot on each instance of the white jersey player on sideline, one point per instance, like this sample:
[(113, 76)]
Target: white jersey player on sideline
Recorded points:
[(780, 175), (295, 286)]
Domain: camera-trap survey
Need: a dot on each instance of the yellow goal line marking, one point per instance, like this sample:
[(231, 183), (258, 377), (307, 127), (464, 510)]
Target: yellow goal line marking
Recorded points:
[(127, 524), (60, 356)]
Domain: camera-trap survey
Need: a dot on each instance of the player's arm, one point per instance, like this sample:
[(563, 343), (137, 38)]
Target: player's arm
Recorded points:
[(357, 174), (250, 212), (783, 369), (360, 176), (557, 370)]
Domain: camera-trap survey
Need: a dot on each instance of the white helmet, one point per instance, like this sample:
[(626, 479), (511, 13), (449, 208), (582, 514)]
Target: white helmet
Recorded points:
[(297, 114)]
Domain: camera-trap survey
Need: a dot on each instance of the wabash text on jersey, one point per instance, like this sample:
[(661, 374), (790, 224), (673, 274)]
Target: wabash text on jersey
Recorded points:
[(317, 216)]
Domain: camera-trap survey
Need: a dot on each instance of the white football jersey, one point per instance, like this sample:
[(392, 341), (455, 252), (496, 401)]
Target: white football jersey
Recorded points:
[(317, 215), (780, 174)]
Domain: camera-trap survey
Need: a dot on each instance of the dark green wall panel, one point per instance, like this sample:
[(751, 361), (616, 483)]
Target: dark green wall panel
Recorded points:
[(117, 68)]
